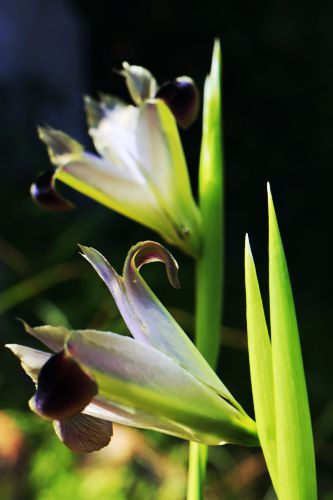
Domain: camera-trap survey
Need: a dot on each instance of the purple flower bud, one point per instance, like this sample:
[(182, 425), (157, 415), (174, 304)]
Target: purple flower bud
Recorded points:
[(182, 97)]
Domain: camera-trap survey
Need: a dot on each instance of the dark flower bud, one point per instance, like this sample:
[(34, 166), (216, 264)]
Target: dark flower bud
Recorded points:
[(64, 389), (43, 192), (182, 97)]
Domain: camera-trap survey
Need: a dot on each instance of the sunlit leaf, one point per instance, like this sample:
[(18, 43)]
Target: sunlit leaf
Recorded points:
[(295, 452), (260, 354)]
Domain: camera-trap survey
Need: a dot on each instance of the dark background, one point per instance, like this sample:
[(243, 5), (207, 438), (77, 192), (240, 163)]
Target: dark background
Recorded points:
[(278, 127)]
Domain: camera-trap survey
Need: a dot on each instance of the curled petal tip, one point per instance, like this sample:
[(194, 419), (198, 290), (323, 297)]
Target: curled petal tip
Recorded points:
[(44, 194), (182, 97), (151, 251), (64, 389)]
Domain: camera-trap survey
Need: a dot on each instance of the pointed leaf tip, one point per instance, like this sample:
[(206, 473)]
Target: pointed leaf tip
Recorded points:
[(248, 246), (269, 192)]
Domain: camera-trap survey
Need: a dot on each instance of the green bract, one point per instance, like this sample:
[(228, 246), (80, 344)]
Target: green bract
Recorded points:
[(156, 380)]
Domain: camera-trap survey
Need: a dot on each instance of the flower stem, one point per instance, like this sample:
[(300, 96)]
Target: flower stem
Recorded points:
[(209, 268)]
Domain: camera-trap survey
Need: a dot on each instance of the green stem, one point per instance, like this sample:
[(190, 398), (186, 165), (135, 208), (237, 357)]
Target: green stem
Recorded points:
[(209, 268), (36, 284), (196, 470)]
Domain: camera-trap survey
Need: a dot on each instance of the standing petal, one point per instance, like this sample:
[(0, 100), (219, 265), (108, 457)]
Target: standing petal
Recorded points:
[(145, 316), (162, 162), (140, 82)]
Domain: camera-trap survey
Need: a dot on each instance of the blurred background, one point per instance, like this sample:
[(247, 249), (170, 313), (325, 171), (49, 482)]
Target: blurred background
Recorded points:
[(278, 126)]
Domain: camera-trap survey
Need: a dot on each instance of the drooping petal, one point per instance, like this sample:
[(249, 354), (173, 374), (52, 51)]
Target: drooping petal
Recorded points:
[(45, 195), (137, 375), (64, 389), (145, 316), (32, 362), (140, 82), (83, 433)]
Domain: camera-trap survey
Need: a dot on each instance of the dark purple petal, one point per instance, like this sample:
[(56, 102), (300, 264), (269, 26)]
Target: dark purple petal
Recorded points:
[(83, 433), (64, 389), (43, 192), (183, 98)]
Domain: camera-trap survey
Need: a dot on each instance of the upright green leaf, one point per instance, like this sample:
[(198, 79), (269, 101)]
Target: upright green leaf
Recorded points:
[(295, 451), (260, 355)]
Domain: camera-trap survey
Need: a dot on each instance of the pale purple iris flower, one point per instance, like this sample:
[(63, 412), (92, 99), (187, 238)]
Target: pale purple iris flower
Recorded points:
[(156, 380)]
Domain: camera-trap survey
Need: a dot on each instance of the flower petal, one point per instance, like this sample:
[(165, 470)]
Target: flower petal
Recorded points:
[(115, 181), (127, 415), (64, 389), (162, 162), (145, 316), (61, 147), (138, 376), (83, 433), (45, 195), (140, 82), (53, 337), (32, 360), (144, 144), (113, 134)]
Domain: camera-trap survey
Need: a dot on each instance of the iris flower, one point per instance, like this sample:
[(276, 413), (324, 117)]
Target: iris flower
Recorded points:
[(156, 380), (141, 171)]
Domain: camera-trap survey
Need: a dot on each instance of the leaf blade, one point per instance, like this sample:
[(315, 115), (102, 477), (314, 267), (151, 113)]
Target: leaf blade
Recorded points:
[(295, 449), (260, 357)]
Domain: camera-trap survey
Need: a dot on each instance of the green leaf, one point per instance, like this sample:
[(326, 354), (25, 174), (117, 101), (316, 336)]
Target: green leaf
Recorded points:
[(210, 266), (260, 355), (295, 450)]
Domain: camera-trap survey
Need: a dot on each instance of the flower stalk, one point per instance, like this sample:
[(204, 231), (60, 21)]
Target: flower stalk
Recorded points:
[(209, 267)]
